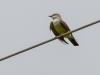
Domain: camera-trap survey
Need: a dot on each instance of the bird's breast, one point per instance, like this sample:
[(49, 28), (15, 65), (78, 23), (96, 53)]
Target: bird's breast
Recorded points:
[(58, 26), (56, 22)]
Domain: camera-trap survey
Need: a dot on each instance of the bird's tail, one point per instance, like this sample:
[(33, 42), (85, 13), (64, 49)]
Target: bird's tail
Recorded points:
[(73, 41)]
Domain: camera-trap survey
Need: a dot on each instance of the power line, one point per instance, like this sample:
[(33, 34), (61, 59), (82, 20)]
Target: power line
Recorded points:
[(24, 50)]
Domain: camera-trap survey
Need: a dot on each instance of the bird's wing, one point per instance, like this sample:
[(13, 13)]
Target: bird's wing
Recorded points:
[(66, 27), (56, 33)]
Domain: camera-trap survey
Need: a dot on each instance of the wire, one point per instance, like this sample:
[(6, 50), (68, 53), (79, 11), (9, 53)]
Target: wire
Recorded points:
[(24, 50)]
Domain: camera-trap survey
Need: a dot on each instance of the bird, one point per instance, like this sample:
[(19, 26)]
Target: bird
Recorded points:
[(58, 27)]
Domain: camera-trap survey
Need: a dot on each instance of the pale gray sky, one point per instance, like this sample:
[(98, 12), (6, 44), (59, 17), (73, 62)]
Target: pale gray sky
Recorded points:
[(24, 23)]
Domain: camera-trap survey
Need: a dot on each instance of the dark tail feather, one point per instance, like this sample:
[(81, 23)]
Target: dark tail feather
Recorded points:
[(73, 41)]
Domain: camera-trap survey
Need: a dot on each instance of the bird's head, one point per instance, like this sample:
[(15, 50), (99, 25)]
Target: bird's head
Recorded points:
[(55, 16)]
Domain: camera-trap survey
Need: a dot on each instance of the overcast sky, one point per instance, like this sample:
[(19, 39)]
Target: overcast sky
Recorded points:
[(24, 23)]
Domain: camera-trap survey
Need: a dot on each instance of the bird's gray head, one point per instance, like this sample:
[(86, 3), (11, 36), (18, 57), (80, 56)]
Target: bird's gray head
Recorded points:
[(55, 16)]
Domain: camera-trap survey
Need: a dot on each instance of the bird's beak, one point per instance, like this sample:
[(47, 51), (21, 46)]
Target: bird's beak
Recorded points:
[(50, 16)]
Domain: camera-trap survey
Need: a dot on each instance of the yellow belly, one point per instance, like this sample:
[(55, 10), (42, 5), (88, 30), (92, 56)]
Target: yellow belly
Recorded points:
[(61, 30)]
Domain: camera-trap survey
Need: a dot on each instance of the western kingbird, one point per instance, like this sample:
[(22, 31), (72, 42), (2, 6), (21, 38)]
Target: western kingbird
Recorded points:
[(58, 27)]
